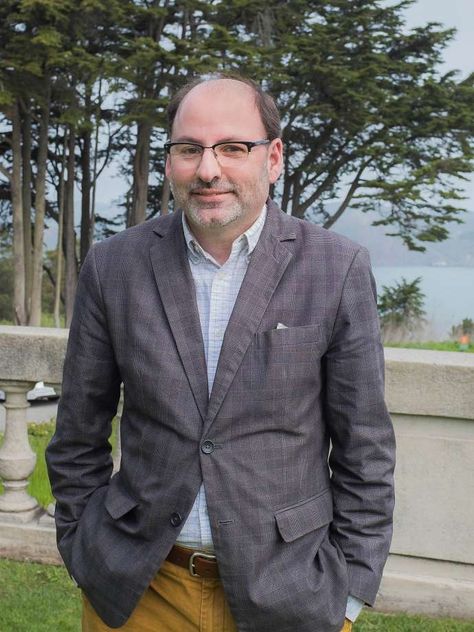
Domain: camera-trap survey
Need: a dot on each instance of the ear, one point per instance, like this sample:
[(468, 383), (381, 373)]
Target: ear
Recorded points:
[(275, 160), (167, 167)]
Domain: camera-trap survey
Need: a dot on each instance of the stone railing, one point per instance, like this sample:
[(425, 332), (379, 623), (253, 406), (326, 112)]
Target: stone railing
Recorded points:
[(27, 355), (431, 398)]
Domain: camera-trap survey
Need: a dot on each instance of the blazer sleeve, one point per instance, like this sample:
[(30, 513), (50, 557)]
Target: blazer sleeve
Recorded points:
[(362, 457), (79, 455)]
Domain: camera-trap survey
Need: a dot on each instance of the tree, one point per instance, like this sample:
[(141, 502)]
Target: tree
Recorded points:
[(162, 43), (400, 309), (464, 328), (30, 40), (369, 120), (55, 53)]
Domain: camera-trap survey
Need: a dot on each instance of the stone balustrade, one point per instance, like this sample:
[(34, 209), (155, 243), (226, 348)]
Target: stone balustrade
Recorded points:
[(27, 355), (431, 398)]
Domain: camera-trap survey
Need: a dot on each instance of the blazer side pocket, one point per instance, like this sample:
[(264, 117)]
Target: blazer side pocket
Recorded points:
[(305, 516), (117, 501)]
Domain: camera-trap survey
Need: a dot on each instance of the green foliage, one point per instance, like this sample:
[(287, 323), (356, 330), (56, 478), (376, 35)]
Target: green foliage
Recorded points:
[(464, 328), (369, 119), (43, 429), (400, 309), (430, 345), (39, 486), (6, 291)]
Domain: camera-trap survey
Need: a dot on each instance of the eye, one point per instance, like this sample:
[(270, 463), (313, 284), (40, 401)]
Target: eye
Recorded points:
[(232, 149), (188, 150)]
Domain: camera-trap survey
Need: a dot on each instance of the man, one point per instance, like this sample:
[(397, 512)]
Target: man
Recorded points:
[(247, 342)]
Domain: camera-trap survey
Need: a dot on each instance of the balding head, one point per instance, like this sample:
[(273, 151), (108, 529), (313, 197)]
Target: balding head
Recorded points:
[(264, 102)]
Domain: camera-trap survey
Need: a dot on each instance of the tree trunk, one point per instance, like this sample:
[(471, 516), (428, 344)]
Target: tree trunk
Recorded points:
[(165, 197), (349, 195), (140, 174), (86, 195), (26, 202), (19, 311), (95, 161), (59, 249), (40, 206), (69, 234)]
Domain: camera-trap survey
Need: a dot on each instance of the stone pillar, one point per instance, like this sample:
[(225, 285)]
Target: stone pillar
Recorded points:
[(17, 459)]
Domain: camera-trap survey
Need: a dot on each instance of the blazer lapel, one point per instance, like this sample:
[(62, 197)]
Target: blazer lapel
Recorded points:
[(176, 287), (267, 265)]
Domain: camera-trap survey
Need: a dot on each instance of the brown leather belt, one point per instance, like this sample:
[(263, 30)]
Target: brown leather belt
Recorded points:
[(198, 563)]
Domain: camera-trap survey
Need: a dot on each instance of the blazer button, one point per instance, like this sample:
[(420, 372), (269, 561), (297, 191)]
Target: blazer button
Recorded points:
[(207, 447), (176, 519)]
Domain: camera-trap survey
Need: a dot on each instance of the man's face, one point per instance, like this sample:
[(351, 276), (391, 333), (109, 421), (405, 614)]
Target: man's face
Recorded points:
[(213, 196)]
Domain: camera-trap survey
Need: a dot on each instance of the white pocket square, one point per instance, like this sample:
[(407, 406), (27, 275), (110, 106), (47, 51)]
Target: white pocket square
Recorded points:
[(281, 326)]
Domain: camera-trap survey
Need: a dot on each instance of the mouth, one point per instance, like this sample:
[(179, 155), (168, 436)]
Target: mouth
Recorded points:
[(210, 196), (209, 192)]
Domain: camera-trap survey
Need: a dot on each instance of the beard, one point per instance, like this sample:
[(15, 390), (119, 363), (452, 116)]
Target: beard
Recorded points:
[(199, 212), (242, 200)]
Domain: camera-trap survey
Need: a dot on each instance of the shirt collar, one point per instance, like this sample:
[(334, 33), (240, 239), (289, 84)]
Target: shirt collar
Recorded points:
[(248, 239)]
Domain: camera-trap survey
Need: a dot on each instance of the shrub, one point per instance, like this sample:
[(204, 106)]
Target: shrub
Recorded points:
[(401, 310)]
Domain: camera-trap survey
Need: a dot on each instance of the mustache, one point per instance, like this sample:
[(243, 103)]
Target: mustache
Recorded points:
[(209, 187)]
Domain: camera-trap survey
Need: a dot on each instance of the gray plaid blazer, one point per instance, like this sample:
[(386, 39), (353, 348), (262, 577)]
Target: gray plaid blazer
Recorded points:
[(296, 525)]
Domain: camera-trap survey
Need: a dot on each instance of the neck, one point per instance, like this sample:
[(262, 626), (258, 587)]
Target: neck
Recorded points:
[(216, 241)]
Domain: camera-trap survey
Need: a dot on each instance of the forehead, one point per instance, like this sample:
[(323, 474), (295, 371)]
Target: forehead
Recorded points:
[(216, 110)]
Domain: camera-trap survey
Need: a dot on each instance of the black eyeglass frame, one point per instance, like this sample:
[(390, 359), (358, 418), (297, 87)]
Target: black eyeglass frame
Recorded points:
[(250, 144)]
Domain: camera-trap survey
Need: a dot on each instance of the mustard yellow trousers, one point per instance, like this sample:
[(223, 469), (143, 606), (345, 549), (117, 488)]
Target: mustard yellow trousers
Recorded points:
[(175, 602)]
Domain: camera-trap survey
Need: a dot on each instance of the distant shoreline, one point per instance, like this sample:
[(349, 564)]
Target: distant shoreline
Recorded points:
[(427, 265)]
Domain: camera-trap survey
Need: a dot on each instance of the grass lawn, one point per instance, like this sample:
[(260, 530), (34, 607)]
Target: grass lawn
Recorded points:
[(38, 486), (37, 598), (40, 598), (434, 346)]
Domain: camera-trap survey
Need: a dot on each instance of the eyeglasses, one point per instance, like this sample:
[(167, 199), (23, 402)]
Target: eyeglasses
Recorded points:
[(228, 154)]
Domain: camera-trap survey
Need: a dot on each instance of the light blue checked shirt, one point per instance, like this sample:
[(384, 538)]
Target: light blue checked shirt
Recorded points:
[(217, 287)]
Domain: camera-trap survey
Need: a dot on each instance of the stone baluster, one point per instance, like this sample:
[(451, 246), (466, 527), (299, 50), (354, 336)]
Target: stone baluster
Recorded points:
[(17, 459)]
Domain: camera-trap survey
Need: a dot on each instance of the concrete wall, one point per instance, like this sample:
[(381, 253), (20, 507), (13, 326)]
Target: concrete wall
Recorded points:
[(431, 397)]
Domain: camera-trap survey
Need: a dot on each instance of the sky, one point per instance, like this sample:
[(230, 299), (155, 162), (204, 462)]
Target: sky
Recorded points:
[(450, 13), (460, 53)]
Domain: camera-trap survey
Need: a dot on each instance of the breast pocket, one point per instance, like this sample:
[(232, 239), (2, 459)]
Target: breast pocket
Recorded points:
[(289, 336), (285, 362)]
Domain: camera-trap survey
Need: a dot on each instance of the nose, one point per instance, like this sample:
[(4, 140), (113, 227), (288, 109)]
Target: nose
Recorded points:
[(208, 168)]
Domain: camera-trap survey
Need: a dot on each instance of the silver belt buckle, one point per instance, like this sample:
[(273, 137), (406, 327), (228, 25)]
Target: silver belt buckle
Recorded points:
[(206, 556)]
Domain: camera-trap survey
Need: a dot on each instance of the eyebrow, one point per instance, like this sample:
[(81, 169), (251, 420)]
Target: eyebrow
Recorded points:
[(190, 139)]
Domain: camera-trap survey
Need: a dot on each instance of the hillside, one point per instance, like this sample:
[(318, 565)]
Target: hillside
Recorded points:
[(458, 250)]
